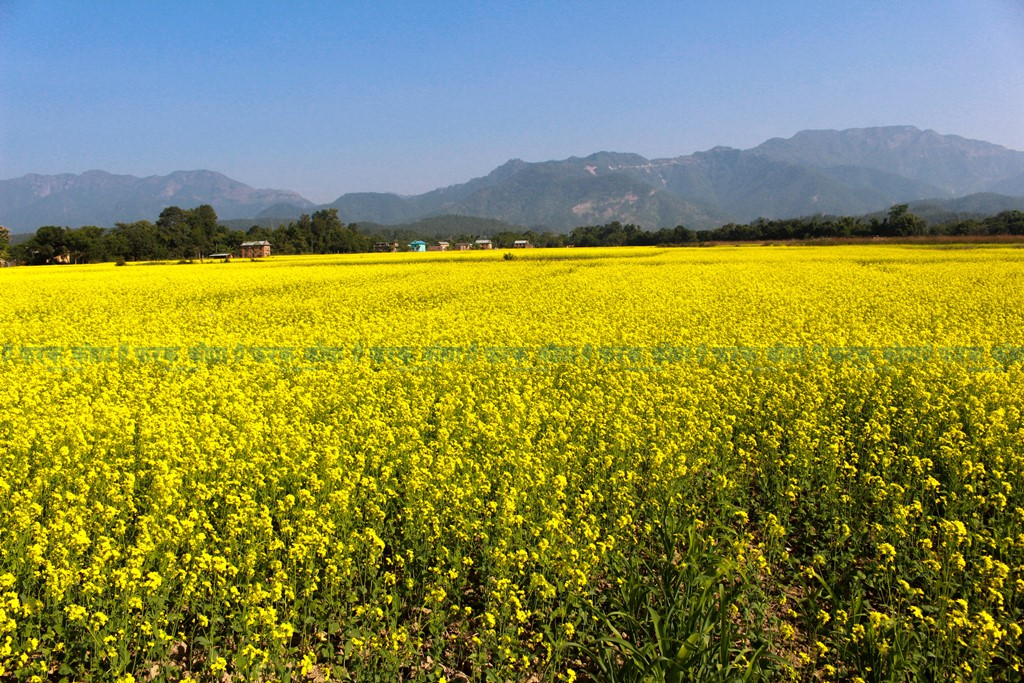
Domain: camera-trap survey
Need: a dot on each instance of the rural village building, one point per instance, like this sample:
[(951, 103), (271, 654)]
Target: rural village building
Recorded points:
[(522, 244), (258, 249), (484, 244)]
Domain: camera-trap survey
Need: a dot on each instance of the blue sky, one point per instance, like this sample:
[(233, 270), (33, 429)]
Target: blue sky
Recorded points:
[(331, 97)]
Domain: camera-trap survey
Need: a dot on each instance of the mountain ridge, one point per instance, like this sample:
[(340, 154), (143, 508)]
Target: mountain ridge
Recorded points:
[(97, 197), (838, 172)]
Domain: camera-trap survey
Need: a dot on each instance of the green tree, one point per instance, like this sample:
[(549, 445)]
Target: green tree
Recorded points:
[(86, 244), (326, 230), (901, 223), (190, 233), (258, 232), (49, 243), (1006, 223), (138, 241), (5, 243), (174, 231), (203, 229)]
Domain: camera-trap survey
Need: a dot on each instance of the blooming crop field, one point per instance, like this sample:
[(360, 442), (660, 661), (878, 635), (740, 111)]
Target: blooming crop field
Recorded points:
[(625, 464)]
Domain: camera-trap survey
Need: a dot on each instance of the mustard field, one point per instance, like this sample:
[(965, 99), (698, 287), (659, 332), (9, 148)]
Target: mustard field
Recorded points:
[(753, 463)]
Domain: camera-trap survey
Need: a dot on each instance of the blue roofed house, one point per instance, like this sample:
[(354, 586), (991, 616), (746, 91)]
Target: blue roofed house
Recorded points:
[(418, 245)]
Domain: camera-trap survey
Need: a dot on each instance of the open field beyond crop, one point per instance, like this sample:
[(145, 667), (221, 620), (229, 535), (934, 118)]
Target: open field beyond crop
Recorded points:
[(626, 464)]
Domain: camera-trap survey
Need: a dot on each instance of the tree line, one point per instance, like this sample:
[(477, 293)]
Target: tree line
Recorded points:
[(5, 244), (185, 234), (177, 234), (899, 222), (194, 234)]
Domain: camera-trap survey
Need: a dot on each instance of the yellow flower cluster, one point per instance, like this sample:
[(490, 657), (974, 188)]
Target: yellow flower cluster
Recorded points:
[(269, 520)]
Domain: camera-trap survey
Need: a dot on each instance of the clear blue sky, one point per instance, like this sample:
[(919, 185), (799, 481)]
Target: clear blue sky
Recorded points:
[(331, 97)]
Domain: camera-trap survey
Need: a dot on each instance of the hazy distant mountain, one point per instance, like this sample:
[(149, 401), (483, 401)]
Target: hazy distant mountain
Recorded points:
[(553, 194), (956, 165), (100, 198), (1010, 186), (850, 172), (978, 205), (743, 185)]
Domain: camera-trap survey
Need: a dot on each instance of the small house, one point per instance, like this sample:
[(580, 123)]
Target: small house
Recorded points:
[(522, 244), (223, 257), (385, 246), (259, 249), (440, 246), (463, 246), (417, 245), (483, 244)]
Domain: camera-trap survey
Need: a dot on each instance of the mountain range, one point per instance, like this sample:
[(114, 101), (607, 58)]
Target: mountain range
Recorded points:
[(849, 172), (101, 198)]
